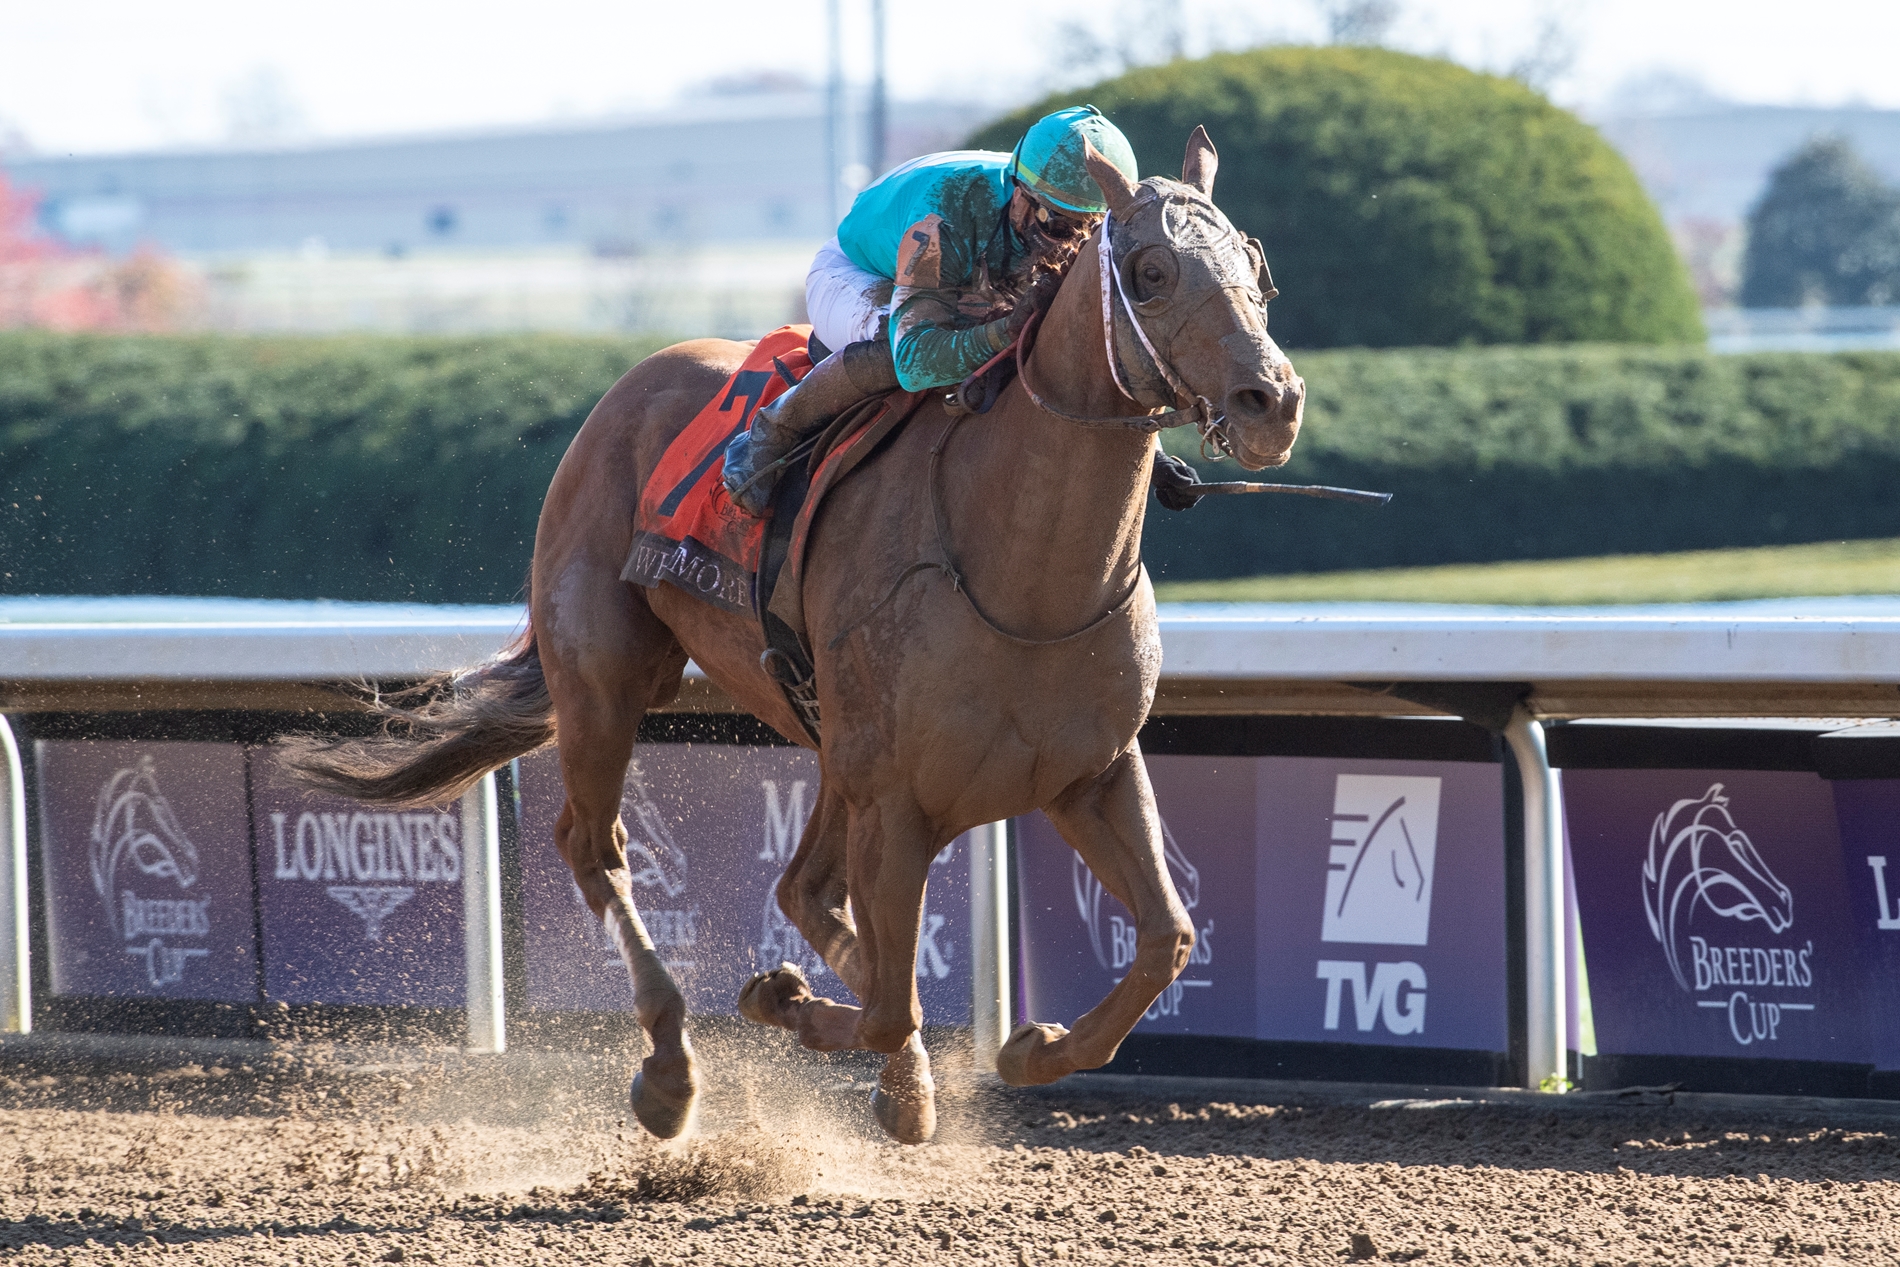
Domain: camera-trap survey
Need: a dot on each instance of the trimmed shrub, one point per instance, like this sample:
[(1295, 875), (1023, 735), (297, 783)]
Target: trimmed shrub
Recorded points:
[(347, 468), (1516, 453), (413, 469), (1407, 201)]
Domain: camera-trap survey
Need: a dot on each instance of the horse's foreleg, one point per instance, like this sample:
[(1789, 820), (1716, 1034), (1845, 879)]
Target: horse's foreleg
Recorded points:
[(888, 850), (1111, 821), (813, 895)]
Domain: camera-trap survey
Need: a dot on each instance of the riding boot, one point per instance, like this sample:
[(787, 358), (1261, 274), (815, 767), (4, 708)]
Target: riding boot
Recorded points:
[(835, 384)]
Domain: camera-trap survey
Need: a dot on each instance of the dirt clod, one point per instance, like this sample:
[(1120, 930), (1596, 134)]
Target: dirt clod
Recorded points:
[(1362, 1246)]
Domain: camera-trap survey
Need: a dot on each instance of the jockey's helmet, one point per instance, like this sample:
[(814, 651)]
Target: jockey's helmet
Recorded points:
[(1048, 160)]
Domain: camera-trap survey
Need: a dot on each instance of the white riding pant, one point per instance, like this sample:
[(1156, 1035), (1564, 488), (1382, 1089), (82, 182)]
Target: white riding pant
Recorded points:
[(844, 303)]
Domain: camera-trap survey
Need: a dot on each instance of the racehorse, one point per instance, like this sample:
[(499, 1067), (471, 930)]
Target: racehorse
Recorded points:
[(983, 633)]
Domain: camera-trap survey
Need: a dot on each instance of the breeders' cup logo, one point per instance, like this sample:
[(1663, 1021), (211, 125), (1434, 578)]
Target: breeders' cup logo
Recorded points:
[(134, 828), (1115, 939), (1379, 892), (652, 856), (1699, 860)]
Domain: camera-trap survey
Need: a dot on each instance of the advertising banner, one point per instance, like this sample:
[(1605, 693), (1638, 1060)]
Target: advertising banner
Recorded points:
[(361, 905), (1867, 810), (710, 829), (1312, 884), (1381, 903), (147, 857), (1716, 914), (1078, 941)]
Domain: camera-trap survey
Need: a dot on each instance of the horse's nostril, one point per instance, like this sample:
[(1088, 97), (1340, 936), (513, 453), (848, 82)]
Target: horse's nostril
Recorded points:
[(1250, 402)]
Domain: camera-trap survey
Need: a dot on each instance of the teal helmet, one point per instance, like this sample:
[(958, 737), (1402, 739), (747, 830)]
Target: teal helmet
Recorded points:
[(1048, 160)]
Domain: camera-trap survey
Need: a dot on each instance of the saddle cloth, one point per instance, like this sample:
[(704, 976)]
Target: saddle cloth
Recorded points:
[(689, 534), (687, 531)]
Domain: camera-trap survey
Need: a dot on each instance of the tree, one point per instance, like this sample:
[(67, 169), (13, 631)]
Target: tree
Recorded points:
[(1406, 200), (1826, 231)]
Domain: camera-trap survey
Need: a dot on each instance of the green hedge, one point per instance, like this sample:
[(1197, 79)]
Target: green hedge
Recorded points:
[(1513, 453), (347, 468), (413, 469), (1407, 201)]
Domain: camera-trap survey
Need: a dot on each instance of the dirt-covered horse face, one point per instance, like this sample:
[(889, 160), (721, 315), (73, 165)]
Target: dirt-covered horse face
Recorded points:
[(1196, 287)]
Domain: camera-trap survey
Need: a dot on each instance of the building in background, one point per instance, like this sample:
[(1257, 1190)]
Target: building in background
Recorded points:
[(701, 220)]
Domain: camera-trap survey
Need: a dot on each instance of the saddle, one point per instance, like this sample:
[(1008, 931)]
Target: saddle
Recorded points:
[(688, 534)]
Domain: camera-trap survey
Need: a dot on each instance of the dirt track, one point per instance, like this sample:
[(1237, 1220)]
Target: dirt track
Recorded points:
[(299, 1158)]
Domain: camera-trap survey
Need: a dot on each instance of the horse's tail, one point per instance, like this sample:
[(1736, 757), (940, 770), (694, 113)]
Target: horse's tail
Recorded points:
[(439, 737)]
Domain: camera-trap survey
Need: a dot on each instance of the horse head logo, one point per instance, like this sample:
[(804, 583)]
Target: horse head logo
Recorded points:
[(134, 822), (652, 856), (1699, 857), (1088, 890)]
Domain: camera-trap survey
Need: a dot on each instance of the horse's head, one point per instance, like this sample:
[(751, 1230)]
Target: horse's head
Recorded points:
[(1199, 292)]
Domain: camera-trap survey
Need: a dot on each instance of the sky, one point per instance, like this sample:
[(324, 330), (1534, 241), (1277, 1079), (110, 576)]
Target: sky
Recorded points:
[(93, 76)]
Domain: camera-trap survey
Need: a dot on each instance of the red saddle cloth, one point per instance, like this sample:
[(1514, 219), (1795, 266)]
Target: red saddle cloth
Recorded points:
[(687, 530)]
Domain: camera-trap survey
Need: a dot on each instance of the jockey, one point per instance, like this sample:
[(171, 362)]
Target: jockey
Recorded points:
[(935, 269)]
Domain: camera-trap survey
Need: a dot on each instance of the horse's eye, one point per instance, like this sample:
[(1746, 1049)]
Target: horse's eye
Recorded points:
[(1152, 275)]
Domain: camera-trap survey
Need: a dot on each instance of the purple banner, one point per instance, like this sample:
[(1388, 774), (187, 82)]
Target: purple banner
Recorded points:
[(1867, 810), (1716, 916), (361, 905), (146, 848), (1077, 940), (1381, 899), (710, 828), (1311, 883)]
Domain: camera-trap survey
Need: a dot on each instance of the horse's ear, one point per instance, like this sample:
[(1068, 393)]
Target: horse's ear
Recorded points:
[(1197, 169), (1117, 190)]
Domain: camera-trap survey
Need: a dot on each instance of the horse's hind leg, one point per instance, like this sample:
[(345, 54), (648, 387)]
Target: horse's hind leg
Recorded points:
[(1111, 821), (608, 659)]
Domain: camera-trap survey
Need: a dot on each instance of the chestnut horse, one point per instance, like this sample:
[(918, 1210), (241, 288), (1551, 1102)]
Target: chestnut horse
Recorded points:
[(984, 641)]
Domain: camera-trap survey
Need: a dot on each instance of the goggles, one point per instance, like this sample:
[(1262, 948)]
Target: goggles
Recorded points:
[(1056, 225)]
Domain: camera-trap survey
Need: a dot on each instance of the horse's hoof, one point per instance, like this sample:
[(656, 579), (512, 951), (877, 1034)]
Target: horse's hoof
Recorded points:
[(1023, 1060), (663, 1103), (906, 1121), (769, 997), (908, 1110)]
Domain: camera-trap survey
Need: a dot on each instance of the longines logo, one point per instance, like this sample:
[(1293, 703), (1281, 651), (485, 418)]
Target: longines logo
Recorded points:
[(369, 862), (1115, 940), (1379, 892), (135, 831), (1699, 860)]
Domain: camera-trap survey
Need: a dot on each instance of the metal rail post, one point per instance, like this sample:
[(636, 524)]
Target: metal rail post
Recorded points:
[(1544, 964), (481, 911), (16, 978), (989, 941)]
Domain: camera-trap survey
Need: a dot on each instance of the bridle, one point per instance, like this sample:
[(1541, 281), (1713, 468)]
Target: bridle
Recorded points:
[(1200, 414)]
